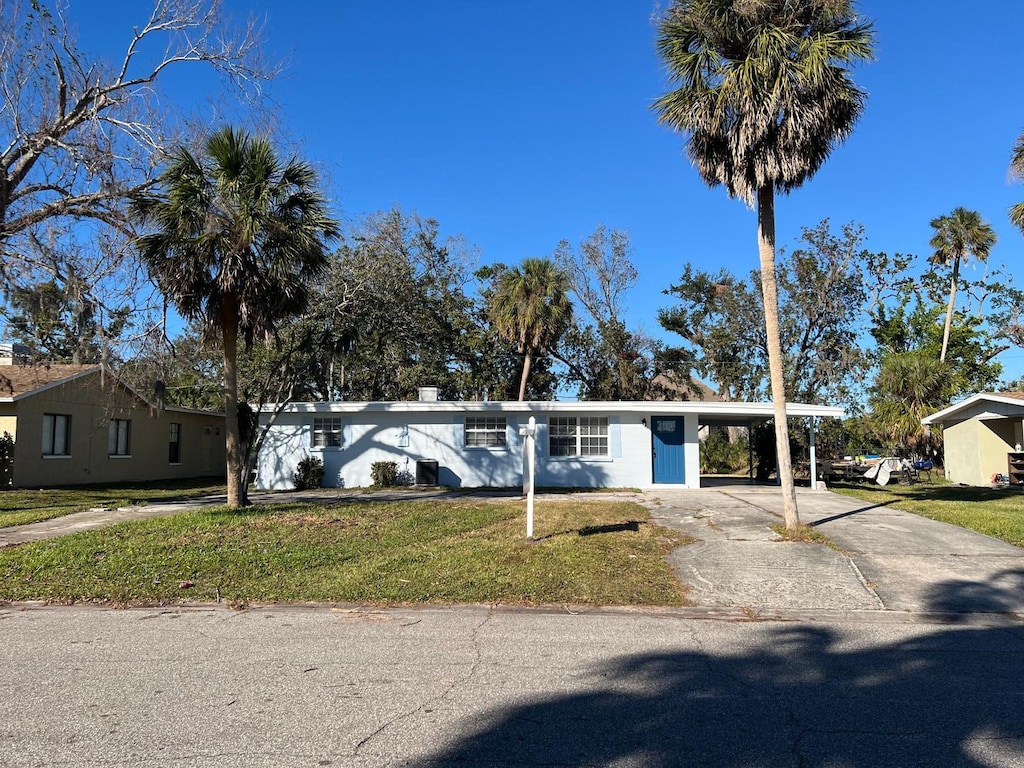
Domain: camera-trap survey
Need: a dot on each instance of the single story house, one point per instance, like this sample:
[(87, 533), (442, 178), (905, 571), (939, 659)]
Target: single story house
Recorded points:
[(76, 424), (980, 436), (478, 444)]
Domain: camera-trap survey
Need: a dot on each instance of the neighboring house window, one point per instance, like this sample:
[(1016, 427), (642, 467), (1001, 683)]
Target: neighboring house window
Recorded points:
[(327, 432), (119, 438), (486, 432), (56, 434), (174, 444), (578, 436)]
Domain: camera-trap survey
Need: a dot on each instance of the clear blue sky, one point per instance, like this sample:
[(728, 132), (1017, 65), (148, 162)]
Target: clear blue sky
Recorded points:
[(523, 123)]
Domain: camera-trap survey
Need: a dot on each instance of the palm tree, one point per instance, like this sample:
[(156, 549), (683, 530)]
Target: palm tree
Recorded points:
[(958, 235), (236, 237), (910, 386), (1017, 169), (530, 308), (765, 94)]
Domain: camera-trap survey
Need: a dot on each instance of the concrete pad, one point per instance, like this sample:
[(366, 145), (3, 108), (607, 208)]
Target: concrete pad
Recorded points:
[(771, 574), (740, 562), (946, 583)]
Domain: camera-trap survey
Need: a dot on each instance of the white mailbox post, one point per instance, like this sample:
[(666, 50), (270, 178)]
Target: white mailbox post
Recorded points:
[(529, 435)]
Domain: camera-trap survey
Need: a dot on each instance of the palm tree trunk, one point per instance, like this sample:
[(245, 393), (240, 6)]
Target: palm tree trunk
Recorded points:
[(949, 308), (237, 496), (527, 360), (770, 297)]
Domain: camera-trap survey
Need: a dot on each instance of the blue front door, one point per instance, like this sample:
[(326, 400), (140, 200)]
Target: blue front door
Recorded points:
[(668, 449)]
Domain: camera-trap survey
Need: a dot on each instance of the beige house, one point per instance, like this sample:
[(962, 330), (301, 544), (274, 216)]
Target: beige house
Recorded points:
[(75, 424), (983, 437)]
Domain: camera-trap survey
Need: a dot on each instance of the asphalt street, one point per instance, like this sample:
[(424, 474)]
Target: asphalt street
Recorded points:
[(902, 646), (477, 686)]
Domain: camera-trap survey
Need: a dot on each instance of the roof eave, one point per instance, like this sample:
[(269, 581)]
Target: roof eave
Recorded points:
[(945, 413), (715, 408)]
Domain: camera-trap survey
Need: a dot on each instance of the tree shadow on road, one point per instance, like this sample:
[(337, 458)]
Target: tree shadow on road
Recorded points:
[(799, 695)]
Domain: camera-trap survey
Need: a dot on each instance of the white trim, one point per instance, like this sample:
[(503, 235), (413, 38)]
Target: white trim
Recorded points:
[(943, 415), (644, 407)]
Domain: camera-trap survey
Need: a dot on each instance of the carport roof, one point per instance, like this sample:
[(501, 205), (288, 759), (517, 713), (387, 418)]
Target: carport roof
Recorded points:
[(1004, 404)]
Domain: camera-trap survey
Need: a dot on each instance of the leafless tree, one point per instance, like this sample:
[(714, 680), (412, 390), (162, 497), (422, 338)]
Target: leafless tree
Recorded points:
[(80, 135)]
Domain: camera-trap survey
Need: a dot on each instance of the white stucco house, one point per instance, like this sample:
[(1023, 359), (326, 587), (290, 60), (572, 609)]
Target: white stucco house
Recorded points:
[(478, 444)]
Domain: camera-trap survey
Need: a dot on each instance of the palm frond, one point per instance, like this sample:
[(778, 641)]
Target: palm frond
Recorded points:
[(762, 86)]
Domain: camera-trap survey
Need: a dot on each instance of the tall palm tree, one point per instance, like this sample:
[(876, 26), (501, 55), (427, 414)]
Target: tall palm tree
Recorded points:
[(237, 235), (958, 235), (530, 308), (765, 94), (1017, 169)]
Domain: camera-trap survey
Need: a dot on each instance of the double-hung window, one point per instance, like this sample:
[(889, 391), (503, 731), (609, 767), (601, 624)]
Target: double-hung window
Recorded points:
[(56, 434), (486, 432), (119, 437), (174, 444), (327, 432), (578, 436)]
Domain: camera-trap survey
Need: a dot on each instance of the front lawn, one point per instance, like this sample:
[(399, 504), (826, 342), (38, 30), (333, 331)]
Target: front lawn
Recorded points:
[(18, 507), (994, 512), (360, 551)]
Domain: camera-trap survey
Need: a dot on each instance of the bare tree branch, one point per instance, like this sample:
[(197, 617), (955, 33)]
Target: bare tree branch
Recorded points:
[(79, 138)]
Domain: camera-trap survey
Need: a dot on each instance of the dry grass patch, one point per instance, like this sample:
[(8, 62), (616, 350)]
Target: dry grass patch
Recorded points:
[(804, 533)]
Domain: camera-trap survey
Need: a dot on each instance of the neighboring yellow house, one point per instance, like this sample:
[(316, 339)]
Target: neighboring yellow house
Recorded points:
[(75, 424), (983, 437)]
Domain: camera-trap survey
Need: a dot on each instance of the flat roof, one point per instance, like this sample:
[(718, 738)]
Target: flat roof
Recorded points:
[(711, 411)]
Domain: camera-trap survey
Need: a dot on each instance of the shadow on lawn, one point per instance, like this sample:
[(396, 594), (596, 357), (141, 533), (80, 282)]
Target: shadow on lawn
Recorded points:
[(631, 526), (803, 695)]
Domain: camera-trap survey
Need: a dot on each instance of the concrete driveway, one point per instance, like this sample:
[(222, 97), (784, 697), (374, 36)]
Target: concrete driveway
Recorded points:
[(890, 560)]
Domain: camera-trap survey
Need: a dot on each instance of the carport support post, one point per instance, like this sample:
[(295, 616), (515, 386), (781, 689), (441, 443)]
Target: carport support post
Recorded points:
[(814, 460)]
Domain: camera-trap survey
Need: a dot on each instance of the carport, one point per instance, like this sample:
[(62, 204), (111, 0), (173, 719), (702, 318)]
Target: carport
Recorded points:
[(750, 415)]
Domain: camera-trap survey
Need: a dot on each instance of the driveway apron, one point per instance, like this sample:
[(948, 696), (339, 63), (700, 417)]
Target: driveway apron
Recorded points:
[(889, 560)]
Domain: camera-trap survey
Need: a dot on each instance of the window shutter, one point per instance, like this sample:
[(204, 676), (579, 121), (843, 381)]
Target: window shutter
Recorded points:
[(615, 437), (542, 437), (459, 429)]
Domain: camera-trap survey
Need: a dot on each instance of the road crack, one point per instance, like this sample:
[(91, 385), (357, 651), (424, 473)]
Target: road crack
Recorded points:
[(426, 706)]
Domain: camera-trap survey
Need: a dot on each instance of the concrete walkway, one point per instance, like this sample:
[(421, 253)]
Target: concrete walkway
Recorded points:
[(890, 560), (99, 518)]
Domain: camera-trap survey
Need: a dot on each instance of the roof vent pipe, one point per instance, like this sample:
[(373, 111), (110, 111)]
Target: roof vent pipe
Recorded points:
[(428, 394)]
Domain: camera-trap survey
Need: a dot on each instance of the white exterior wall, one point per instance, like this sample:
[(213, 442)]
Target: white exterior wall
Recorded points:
[(380, 436), (410, 431)]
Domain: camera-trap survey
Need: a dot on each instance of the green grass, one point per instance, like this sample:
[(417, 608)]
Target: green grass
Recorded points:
[(994, 512), (804, 533), (438, 551), (18, 507)]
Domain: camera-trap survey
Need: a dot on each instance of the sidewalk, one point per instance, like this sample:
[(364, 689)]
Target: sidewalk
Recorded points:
[(890, 560), (98, 518)]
